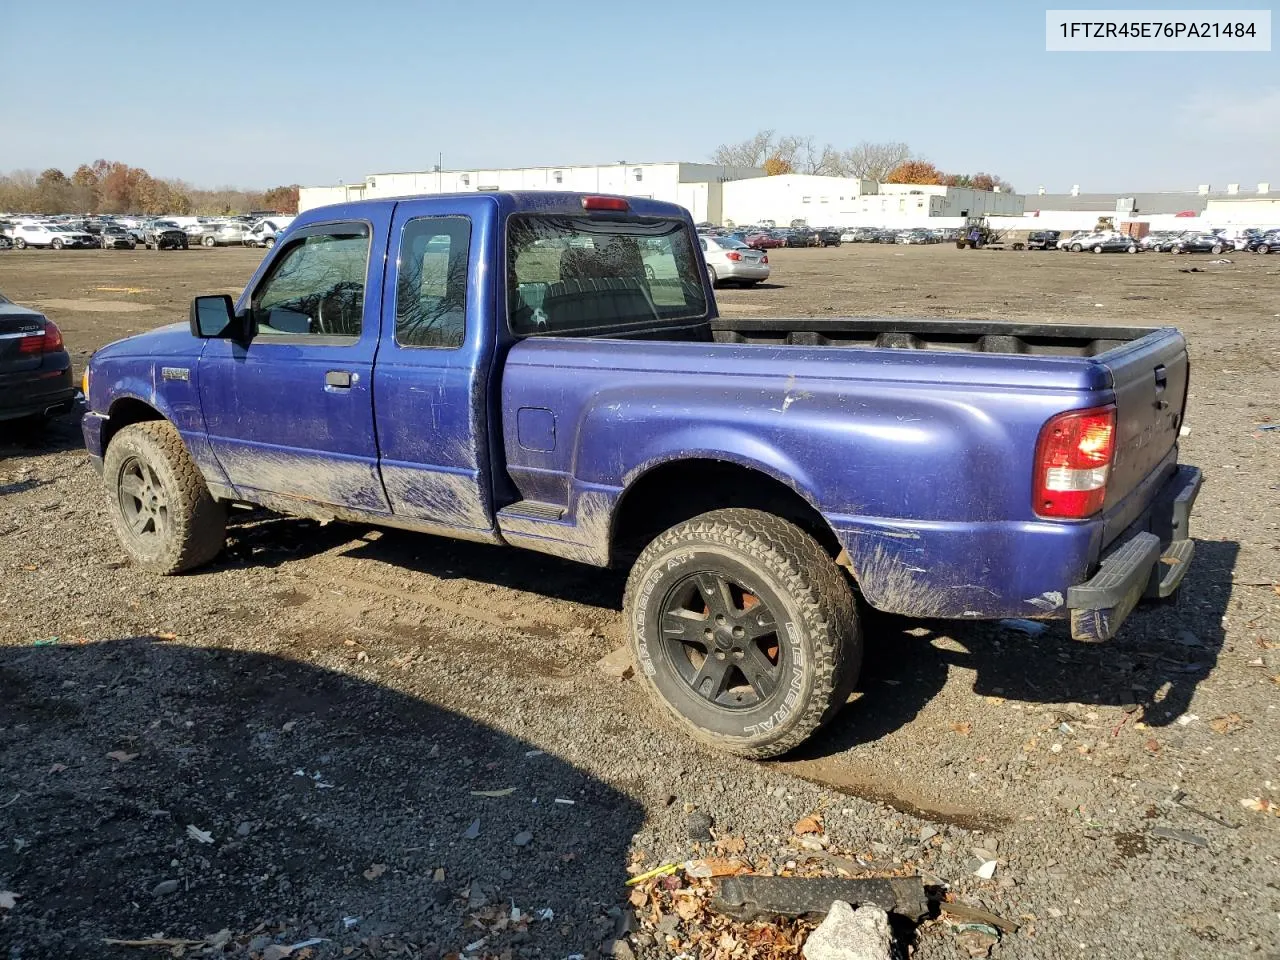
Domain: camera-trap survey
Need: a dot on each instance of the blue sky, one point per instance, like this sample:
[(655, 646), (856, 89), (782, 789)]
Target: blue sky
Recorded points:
[(277, 91)]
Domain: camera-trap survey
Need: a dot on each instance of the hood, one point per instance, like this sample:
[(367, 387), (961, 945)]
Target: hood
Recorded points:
[(174, 340)]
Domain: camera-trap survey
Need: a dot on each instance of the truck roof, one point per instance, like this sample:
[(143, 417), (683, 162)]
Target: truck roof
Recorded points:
[(509, 201)]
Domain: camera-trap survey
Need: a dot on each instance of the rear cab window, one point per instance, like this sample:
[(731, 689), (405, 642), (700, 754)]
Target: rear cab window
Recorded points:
[(593, 277)]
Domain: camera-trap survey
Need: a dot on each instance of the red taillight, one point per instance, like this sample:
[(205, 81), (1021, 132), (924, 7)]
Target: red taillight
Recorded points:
[(765, 258), (733, 255), (47, 342), (1073, 463), (605, 203)]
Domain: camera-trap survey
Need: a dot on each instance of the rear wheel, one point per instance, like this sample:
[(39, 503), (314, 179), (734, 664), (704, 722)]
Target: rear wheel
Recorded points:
[(1097, 249), (1132, 248), (209, 242), (269, 242), (19, 244), (1076, 248), (161, 508), (745, 631), (1264, 248), (711, 275), (1216, 248)]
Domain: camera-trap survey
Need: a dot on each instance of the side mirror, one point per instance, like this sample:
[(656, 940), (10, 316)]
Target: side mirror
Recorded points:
[(214, 317)]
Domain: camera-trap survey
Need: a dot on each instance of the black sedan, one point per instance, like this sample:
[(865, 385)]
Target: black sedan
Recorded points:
[(802, 237), (1267, 243), (35, 369), (1116, 244), (1043, 240), (1199, 243)]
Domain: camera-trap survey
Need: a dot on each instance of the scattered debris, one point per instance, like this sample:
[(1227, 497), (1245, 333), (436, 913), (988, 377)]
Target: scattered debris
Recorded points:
[(1190, 270), (968, 913), (349, 922), (119, 756), (472, 831), (1260, 805), (732, 845), (927, 834), (171, 942), (534, 753), (1269, 426), (709, 867), (662, 871), (165, 887), (1179, 797), (8, 899), (1222, 260), (200, 836), (964, 729), (1227, 724), (564, 801), (546, 914), (1185, 836), (849, 934), (748, 897), (986, 871), (438, 875), (698, 826), (279, 951), (375, 871), (977, 939), (619, 664), (57, 768), (523, 838), (505, 792), (806, 825)]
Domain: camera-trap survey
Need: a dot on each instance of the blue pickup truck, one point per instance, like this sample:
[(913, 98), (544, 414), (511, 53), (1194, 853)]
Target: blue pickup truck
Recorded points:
[(549, 371)]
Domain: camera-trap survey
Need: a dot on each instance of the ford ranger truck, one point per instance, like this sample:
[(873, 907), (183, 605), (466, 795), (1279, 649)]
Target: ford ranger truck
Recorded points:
[(548, 371)]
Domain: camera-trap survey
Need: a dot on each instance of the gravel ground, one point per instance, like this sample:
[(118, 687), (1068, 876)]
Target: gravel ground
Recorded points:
[(251, 754)]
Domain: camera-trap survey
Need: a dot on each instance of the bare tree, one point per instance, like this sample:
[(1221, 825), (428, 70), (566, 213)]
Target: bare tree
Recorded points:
[(873, 161), (752, 152)]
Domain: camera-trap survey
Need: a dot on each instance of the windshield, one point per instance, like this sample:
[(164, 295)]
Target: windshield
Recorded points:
[(578, 276)]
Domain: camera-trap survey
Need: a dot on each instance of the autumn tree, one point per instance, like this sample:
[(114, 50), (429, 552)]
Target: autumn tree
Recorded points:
[(776, 166), (914, 171), (752, 152), (283, 199)]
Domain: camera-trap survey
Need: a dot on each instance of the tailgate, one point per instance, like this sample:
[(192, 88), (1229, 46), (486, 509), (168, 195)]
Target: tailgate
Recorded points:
[(1150, 382)]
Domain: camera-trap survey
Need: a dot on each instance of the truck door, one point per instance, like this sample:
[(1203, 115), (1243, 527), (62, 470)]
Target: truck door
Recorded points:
[(290, 413), (431, 382)]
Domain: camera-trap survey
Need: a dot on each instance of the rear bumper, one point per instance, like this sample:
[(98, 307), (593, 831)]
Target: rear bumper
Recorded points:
[(1149, 562), (40, 392)]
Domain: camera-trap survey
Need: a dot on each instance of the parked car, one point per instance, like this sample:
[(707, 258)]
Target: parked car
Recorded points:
[(52, 236), (35, 368), (263, 233), (827, 237), (802, 237), (164, 235), (224, 234), (1086, 241), (763, 241), (749, 478), (1043, 240), (1115, 243), (1265, 243), (116, 238), (886, 236), (733, 261), (1199, 243)]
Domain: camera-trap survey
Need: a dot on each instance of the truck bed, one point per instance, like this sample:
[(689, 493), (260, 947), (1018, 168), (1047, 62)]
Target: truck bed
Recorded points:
[(957, 336)]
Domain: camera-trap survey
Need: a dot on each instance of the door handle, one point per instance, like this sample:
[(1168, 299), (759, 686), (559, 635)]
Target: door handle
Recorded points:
[(1162, 377), (340, 379)]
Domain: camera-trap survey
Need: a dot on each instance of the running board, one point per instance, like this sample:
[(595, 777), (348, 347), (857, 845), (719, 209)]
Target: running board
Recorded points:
[(532, 510)]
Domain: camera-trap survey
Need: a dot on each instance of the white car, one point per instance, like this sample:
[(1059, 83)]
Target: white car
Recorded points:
[(50, 235), (263, 233), (1085, 241), (730, 259)]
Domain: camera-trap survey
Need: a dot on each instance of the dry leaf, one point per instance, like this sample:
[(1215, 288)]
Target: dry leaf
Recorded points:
[(964, 729), (732, 845), (1230, 722), (688, 907), (120, 756), (1152, 745), (375, 871), (164, 636), (638, 898), (1259, 805), (8, 900), (808, 825), (1276, 588)]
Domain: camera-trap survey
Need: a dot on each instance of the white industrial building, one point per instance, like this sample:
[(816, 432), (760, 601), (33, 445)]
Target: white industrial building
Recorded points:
[(695, 186), (847, 202)]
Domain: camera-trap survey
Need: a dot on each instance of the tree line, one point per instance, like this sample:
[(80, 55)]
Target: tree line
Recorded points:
[(882, 162), (108, 186)]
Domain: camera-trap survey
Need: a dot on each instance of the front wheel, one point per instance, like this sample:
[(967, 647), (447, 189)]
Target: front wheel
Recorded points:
[(161, 508), (1076, 248), (19, 244), (269, 242), (744, 630), (209, 242), (1097, 249), (1216, 248), (1132, 249), (56, 244), (1264, 248)]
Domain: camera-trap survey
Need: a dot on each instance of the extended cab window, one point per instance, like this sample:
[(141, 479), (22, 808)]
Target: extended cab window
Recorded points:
[(579, 276), (431, 290), (316, 286)]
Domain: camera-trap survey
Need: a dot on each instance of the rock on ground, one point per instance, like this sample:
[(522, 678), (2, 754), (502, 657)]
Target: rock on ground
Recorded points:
[(849, 934)]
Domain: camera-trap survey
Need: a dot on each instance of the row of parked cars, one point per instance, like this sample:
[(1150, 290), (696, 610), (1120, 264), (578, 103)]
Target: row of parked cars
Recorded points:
[(769, 238), (1172, 241), (127, 233)]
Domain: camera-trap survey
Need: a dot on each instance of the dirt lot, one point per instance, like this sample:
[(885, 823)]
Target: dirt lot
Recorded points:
[(261, 752)]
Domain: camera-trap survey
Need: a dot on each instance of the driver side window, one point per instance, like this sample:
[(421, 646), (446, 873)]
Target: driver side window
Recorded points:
[(316, 286)]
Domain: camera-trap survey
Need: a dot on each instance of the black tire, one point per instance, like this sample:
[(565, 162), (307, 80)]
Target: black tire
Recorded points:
[(803, 670), (161, 508), (209, 242), (711, 275), (1132, 248), (269, 242)]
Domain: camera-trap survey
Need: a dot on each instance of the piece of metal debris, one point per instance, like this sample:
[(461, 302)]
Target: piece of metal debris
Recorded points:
[(750, 897)]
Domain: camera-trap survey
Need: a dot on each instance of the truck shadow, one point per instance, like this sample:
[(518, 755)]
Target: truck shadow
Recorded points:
[(157, 786), (1155, 665)]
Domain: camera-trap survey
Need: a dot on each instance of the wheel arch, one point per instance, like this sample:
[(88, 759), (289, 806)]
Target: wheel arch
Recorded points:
[(124, 412), (675, 490)]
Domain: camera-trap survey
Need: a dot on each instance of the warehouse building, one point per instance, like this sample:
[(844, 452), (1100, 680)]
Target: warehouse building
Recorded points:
[(849, 202), (698, 187)]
